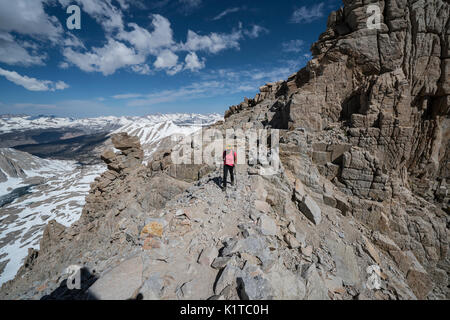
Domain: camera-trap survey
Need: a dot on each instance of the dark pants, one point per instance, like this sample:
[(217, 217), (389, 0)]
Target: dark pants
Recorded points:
[(227, 168)]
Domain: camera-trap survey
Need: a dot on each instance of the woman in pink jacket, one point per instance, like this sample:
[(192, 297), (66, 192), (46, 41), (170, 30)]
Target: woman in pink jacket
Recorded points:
[(229, 159)]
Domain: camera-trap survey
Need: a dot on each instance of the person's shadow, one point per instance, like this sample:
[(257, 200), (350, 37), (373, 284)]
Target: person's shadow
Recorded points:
[(64, 293)]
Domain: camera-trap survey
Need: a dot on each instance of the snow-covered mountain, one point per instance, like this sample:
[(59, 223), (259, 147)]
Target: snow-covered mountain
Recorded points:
[(11, 123), (44, 190), (152, 129)]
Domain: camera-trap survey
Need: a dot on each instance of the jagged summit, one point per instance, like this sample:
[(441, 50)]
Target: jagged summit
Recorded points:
[(359, 209)]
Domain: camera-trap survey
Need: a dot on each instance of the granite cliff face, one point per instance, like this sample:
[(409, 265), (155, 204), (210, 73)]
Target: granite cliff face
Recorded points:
[(362, 191)]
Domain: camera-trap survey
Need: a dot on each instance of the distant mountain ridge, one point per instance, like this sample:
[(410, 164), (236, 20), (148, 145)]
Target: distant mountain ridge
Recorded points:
[(14, 123), (80, 139)]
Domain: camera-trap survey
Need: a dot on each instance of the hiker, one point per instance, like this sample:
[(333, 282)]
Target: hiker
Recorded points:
[(229, 159)]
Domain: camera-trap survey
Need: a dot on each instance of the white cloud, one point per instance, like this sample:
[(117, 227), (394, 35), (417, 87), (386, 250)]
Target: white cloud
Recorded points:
[(168, 61), (126, 46), (28, 17), (63, 65), (72, 41), (149, 42), (255, 31), (60, 85), (213, 43), (114, 55), (193, 63), (32, 84), (226, 12), (216, 42), (127, 96), (293, 45), (308, 15), (15, 53), (141, 69)]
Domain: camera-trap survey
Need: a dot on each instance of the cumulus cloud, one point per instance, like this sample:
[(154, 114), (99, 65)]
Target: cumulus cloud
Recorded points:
[(33, 84), (107, 59), (213, 43), (308, 15), (293, 45), (168, 61), (193, 63), (128, 48), (16, 53), (149, 42), (28, 17), (216, 42), (126, 45)]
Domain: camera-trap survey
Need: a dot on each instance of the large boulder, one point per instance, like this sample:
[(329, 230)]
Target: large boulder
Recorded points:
[(120, 283)]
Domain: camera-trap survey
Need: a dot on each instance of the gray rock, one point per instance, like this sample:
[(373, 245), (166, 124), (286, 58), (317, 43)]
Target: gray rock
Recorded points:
[(262, 206), (346, 264), (310, 209), (208, 255), (252, 286), (153, 288), (315, 285), (120, 283), (285, 284), (292, 242), (220, 262), (227, 277), (267, 225)]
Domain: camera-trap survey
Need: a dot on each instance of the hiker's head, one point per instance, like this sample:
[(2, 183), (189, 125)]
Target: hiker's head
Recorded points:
[(228, 147)]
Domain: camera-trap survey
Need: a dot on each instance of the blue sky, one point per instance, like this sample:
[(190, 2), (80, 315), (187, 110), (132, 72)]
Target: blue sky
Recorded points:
[(135, 57)]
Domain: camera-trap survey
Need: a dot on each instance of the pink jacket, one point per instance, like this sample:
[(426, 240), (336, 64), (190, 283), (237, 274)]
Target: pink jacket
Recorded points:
[(229, 159)]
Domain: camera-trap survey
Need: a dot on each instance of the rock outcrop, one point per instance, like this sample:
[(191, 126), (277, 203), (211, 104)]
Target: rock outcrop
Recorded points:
[(361, 193)]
